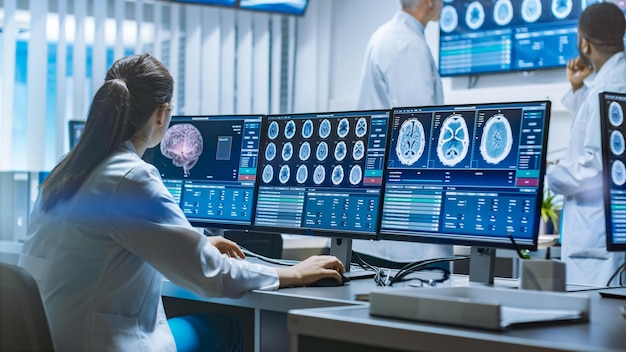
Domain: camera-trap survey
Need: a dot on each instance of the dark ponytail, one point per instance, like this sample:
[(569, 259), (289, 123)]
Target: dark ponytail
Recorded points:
[(135, 87)]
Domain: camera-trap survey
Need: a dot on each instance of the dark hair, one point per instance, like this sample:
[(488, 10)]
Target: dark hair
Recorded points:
[(134, 88), (603, 25)]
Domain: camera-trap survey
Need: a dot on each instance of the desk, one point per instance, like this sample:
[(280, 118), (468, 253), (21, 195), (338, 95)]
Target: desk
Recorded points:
[(353, 329)]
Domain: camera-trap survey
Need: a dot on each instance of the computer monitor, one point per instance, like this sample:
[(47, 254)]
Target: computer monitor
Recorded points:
[(612, 107), (75, 130), (286, 7), (322, 174), (209, 164), (466, 175)]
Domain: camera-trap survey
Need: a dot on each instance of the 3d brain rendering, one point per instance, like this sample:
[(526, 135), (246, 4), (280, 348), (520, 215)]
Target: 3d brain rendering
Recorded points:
[(183, 144)]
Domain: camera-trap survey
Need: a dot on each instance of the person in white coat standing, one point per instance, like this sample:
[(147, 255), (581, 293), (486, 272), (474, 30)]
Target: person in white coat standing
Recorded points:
[(105, 229), (579, 176), (399, 71)]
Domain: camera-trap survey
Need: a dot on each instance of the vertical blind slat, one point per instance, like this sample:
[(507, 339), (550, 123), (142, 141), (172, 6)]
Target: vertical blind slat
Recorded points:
[(8, 84), (227, 67), (61, 72), (37, 64), (211, 61), (79, 62), (276, 41), (193, 40), (139, 26), (120, 14), (98, 69), (158, 31), (261, 65), (244, 54), (174, 52)]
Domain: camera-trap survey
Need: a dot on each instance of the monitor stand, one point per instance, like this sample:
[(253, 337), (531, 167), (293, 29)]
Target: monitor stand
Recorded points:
[(342, 249), (482, 265)]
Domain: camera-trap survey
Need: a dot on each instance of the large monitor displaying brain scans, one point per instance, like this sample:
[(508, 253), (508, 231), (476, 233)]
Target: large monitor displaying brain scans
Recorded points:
[(612, 107), (209, 164), (489, 36), (322, 173), (467, 174)]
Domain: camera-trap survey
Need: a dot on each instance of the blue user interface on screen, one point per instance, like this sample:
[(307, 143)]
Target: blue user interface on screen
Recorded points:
[(612, 107), (486, 36), (322, 172), (465, 174), (209, 164), (291, 7)]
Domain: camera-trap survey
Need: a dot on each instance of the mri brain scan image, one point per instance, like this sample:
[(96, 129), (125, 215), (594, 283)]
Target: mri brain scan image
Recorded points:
[(502, 12), (497, 139), (307, 129), (337, 176), (270, 151), (284, 173), (290, 129), (319, 175), (324, 130), (617, 143), (356, 175), (183, 144), (343, 128), (268, 173), (453, 140), (361, 127), (411, 142), (358, 151), (272, 131), (618, 173), (305, 151), (561, 8), (616, 114), (475, 15), (340, 151), (322, 151), (531, 10), (287, 151), (449, 19), (302, 174)]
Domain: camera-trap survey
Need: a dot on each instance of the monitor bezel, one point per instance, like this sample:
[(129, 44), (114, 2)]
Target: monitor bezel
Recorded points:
[(227, 225), (425, 237), (315, 231), (611, 246)]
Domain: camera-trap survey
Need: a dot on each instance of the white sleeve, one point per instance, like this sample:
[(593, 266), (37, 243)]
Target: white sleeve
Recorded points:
[(147, 221)]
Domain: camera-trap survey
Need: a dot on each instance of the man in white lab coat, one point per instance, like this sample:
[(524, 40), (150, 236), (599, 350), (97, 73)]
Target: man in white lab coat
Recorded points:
[(399, 70), (579, 177)]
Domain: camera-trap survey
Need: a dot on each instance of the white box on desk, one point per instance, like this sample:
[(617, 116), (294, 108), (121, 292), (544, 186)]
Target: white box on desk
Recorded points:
[(479, 307)]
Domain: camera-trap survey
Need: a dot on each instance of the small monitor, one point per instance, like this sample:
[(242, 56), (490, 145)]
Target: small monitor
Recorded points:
[(322, 173), (612, 107), (75, 129), (466, 174), (209, 164)]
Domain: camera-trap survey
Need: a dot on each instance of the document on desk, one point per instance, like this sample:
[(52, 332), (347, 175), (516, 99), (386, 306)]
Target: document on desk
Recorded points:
[(477, 307), (515, 316)]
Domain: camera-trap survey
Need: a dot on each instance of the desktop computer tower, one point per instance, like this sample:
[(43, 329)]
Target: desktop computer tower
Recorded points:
[(18, 190)]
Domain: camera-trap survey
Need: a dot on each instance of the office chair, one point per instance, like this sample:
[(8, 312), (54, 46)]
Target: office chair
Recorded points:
[(266, 244), (24, 325)]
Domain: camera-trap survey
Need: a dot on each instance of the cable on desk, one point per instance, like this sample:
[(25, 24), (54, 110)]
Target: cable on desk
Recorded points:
[(618, 272), (388, 280)]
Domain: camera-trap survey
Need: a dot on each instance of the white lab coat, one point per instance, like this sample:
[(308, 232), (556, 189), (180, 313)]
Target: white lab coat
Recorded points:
[(399, 71), (579, 179), (98, 260)]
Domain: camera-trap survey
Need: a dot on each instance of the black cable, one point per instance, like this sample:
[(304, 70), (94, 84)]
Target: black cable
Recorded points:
[(619, 270)]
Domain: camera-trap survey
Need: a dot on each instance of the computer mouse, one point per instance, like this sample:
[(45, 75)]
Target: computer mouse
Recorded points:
[(328, 282)]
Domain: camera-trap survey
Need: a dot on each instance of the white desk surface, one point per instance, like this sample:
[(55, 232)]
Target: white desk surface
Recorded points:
[(605, 331)]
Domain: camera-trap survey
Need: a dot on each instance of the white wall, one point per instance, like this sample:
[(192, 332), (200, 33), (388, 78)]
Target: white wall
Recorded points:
[(353, 21)]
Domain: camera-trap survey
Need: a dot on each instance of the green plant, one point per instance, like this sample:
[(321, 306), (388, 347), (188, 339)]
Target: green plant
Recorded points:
[(549, 208)]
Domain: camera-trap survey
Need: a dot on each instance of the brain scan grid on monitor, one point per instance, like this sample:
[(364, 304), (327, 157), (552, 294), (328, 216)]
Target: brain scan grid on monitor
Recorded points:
[(465, 174), (209, 164), (612, 107), (322, 172)]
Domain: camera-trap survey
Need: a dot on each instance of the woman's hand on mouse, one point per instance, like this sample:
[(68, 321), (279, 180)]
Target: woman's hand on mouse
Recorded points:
[(311, 270)]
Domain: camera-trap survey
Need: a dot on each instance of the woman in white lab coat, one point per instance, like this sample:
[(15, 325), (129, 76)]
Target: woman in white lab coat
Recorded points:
[(105, 229), (579, 177)]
